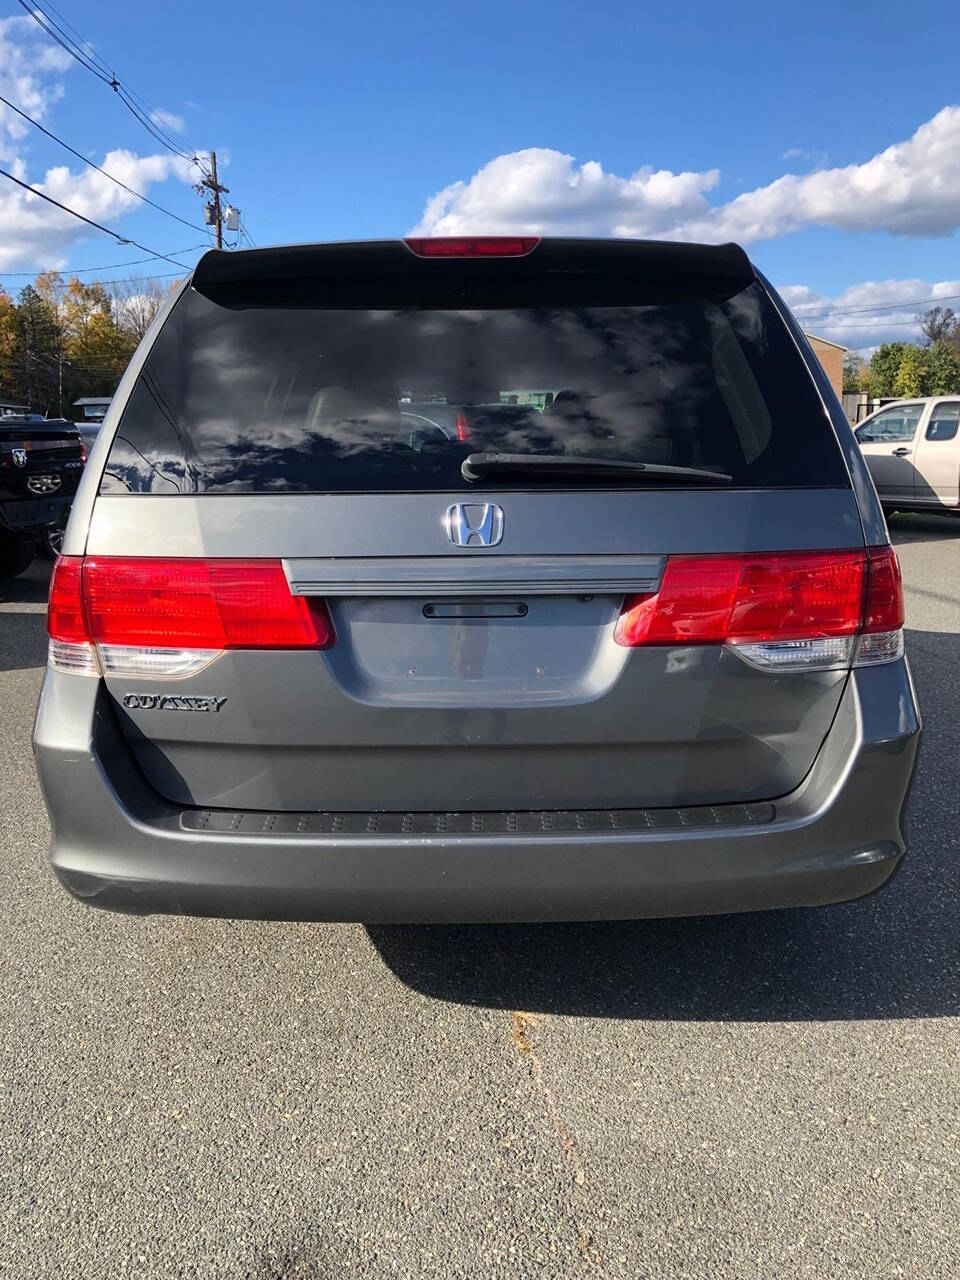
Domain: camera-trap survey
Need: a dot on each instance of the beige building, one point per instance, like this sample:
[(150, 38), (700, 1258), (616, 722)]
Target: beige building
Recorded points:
[(830, 355)]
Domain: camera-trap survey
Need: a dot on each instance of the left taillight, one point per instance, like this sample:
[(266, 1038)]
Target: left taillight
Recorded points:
[(790, 610), (171, 617)]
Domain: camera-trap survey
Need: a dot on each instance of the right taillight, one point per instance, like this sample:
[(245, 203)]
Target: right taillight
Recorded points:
[(155, 616), (882, 639), (780, 610)]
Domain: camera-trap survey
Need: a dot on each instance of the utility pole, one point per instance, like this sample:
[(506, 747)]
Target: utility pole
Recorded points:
[(213, 213)]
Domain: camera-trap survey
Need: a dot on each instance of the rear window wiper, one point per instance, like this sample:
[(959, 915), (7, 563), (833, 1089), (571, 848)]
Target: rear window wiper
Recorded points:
[(481, 466)]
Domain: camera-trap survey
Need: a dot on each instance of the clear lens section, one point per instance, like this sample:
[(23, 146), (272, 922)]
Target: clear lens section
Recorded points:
[(78, 658), (879, 646), (133, 660), (822, 654)]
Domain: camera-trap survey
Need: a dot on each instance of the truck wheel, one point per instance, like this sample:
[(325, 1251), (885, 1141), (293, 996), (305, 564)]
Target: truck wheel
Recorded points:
[(51, 544), (16, 554)]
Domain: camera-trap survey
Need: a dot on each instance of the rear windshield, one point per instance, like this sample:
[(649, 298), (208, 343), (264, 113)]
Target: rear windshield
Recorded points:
[(274, 399)]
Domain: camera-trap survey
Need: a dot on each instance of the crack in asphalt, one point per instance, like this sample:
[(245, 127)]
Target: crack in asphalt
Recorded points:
[(521, 1025)]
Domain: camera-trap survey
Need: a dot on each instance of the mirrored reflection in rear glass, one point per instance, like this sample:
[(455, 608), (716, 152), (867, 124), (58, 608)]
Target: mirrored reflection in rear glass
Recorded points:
[(269, 399)]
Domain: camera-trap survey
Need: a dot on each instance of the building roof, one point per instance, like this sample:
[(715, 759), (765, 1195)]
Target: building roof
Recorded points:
[(94, 400), (814, 337)]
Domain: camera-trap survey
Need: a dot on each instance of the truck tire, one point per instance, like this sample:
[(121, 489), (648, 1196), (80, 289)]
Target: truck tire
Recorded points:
[(51, 541), (16, 554)]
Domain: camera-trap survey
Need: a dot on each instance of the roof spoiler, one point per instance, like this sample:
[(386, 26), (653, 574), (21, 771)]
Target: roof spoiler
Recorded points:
[(575, 271)]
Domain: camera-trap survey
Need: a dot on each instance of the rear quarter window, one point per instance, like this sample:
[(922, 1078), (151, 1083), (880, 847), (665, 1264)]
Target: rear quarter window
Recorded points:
[(275, 399)]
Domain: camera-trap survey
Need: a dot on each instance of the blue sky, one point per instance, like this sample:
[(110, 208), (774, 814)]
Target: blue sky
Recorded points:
[(340, 121)]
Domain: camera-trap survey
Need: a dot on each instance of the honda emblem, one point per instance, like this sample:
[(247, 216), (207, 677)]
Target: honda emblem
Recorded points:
[(474, 524)]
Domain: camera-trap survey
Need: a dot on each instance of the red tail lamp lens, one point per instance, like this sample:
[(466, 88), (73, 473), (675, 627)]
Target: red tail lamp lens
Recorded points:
[(753, 598), (189, 604), (884, 610), (65, 616)]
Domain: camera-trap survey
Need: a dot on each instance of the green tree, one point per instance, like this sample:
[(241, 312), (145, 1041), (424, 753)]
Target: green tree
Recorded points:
[(34, 361), (944, 359), (913, 374), (884, 364)]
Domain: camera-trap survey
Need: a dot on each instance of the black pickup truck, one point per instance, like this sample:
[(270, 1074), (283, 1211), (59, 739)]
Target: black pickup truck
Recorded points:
[(41, 461)]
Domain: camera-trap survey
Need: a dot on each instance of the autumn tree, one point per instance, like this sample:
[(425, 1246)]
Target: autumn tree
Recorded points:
[(97, 349), (8, 339)]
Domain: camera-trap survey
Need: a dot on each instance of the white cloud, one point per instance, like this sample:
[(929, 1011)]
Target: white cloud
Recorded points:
[(168, 120), (25, 62), (32, 232), (911, 189), (867, 314), (544, 191)]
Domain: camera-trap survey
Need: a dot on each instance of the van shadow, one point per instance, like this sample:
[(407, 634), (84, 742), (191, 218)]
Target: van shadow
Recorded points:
[(23, 633), (31, 587), (893, 955)]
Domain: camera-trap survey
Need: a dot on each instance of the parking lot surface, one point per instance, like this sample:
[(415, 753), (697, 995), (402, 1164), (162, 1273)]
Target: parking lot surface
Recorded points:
[(749, 1096)]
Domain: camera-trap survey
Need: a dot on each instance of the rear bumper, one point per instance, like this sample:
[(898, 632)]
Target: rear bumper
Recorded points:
[(116, 844)]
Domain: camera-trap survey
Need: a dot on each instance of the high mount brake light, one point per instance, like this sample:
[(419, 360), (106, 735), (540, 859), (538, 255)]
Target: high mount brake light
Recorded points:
[(778, 610), (161, 616), (472, 246)]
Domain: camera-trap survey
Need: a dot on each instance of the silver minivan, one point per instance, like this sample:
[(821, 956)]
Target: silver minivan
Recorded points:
[(630, 647), (913, 451)]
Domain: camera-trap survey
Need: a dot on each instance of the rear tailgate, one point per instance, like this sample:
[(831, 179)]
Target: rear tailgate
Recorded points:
[(456, 697), (477, 676)]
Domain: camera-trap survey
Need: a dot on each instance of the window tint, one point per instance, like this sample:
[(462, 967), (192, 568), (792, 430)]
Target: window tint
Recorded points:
[(944, 421), (279, 399), (896, 423)]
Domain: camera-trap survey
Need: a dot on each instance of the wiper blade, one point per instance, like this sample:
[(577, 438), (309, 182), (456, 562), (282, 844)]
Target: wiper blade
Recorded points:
[(480, 466)]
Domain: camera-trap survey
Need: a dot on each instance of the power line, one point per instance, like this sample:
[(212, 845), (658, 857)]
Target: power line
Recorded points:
[(77, 49), (889, 306), (82, 51), (874, 324), (83, 43), (167, 275), (62, 40), (89, 221), (107, 266), (36, 124)]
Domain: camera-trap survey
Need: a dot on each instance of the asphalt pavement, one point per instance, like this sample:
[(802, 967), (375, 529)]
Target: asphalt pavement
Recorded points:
[(742, 1097)]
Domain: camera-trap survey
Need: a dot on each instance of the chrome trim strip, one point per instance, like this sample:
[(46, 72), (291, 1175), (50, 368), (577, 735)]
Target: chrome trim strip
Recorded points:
[(473, 574)]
